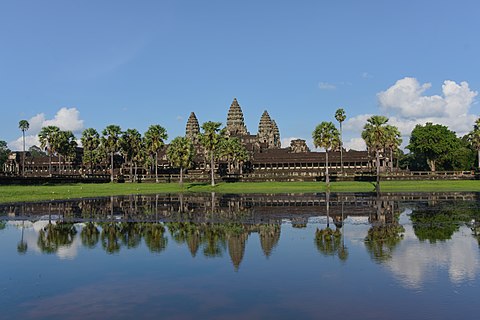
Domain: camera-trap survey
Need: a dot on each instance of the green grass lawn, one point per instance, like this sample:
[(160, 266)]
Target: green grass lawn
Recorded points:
[(17, 193)]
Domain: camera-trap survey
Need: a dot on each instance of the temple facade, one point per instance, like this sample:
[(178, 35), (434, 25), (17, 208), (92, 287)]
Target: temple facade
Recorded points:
[(267, 160)]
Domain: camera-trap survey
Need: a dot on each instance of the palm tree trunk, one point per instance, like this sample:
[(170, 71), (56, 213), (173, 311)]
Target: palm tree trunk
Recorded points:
[(23, 158), (377, 156), (327, 178), (50, 164), (181, 176), (341, 149), (111, 165), (478, 153), (391, 159), (212, 165), (156, 167)]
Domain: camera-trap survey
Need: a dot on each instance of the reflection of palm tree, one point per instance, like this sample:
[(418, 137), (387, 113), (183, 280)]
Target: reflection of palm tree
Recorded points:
[(53, 236), (131, 234), (90, 235), (328, 241), (383, 237), (22, 245), (154, 237), (110, 237)]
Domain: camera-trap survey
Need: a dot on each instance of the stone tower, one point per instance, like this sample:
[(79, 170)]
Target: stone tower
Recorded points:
[(276, 135), (235, 121), (268, 132), (192, 130)]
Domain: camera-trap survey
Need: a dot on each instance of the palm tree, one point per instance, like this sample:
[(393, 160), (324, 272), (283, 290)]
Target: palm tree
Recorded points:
[(48, 136), (180, 153), (340, 116), (111, 135), (130, 146), (66, 145), (24, 126), (375, 135), (210, 139), (154, 142), (474, 138), (90, 141), (393, 141), (234, 151), (326, 136)]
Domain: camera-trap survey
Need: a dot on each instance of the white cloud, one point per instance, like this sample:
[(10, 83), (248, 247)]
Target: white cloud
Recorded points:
[(406, 105), (65, 119), (366, 75), (355, 144), (326, 86)]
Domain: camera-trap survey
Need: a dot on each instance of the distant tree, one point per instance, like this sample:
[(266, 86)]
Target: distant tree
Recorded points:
[(210, 139), (234, 152), (474, 139), (130, 146), (48, 141), (180, 153), (4, 152), (110, 136), (36, 152), (90, 141), (66, 145), (393, 141), (433, 141), (375, 136), (340, 116), (23, 125), (154, 142), (326, 136)]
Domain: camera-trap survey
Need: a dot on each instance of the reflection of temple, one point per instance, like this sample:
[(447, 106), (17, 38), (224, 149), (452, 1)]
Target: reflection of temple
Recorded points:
[(267, 159)]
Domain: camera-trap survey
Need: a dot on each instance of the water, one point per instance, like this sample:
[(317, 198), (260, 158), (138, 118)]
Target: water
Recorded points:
[(399, 256)]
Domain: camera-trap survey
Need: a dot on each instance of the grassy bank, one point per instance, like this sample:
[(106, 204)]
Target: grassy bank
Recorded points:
[(10, 194)]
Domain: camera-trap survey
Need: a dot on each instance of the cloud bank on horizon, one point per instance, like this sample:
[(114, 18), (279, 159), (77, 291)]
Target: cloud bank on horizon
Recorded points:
[(406, 105), (65, 119)]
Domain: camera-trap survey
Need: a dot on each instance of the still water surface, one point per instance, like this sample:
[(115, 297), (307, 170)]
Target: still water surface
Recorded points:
[(213, 256)]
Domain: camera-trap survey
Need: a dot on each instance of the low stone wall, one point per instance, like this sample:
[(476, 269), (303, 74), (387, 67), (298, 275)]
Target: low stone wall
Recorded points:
[(52, 180)]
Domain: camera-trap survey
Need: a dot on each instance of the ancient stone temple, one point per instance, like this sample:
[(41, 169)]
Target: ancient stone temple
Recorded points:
[(193, 129), (268, 133), (299, 145), (235, 121)]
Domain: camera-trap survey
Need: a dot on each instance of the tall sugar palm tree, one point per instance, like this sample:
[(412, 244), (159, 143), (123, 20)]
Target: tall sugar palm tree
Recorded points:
[(47, 137), (393, 141), (90, 141), (180, 153), (234, 151), (474, 139), (210, 139), (375, 135), (154, 141), (110, 136), (130, 145), (23, 125), (66, 145), (340, 116), (326, 136)]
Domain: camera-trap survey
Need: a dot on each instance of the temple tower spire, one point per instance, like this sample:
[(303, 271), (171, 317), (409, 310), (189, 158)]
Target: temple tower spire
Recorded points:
[(192, 130), (235, 121)]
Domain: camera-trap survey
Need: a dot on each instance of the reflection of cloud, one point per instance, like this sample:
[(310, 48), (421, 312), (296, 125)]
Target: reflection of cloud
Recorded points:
[(415, 262)]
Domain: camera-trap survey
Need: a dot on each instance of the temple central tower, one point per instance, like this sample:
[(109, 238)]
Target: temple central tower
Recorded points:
[(235, 121)]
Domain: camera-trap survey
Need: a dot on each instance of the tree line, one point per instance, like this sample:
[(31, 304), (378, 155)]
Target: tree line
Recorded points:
[(137, 150), (432, 146)]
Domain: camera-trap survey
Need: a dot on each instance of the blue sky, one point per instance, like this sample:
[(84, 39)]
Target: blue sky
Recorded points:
[(137, 63)]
